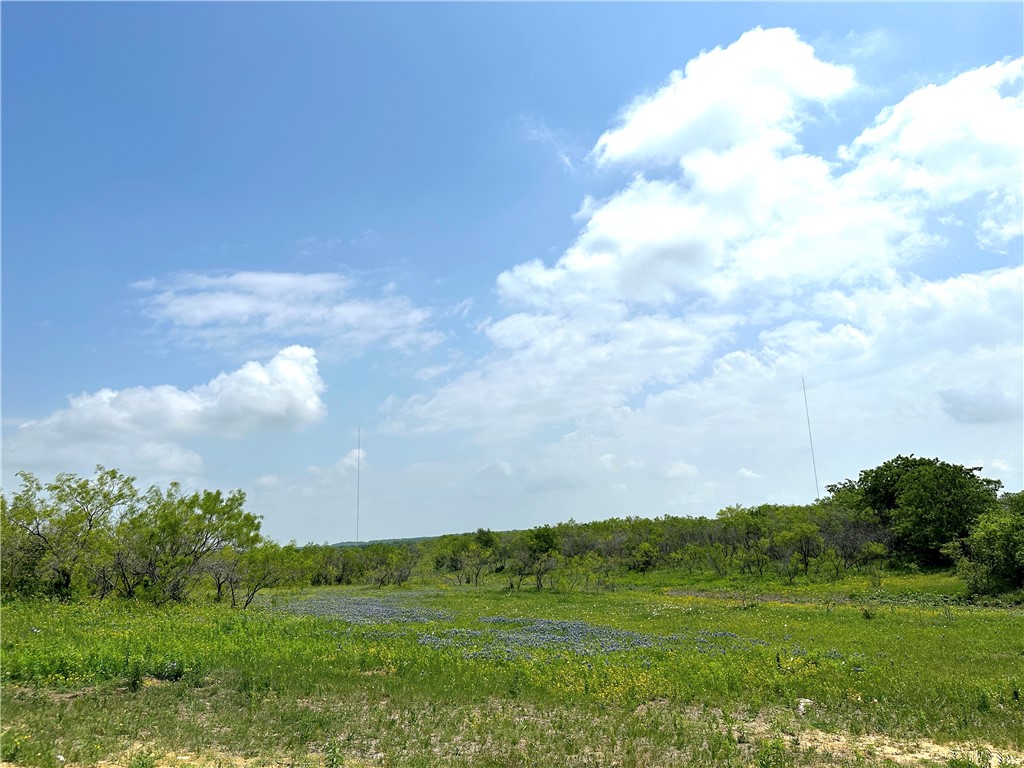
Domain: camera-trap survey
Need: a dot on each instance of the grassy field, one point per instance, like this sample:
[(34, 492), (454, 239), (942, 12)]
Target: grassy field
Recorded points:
[(647, 675)]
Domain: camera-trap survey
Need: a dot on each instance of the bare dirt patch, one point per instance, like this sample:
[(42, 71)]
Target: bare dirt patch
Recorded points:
[(878, 747), (816, 747), (139, 756), (918, 752)]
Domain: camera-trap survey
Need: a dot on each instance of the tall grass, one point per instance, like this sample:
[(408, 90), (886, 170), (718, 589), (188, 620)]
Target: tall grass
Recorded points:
[(468, 676)]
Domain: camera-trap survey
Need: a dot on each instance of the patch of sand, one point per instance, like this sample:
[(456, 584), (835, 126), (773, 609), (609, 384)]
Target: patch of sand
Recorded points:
[(872, 748), (878, 747)]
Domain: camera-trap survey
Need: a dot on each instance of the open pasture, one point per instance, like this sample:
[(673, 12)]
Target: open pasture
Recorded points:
[(482, 677)]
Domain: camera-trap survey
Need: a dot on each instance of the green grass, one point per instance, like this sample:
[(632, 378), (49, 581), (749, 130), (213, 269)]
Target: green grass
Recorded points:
[(895, 586), (714, 680)]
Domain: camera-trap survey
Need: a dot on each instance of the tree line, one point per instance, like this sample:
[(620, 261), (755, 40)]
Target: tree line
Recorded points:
[(907, 512), (102, 536)]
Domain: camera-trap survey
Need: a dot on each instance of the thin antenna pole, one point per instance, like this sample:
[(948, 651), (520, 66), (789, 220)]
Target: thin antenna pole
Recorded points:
[(817, 492), (359, 457)]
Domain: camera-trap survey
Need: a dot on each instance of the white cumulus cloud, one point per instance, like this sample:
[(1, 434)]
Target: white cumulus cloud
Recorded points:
[(137, 428), (679, 321), (944, 144), (751, 214), (748, 92), (547, 369)]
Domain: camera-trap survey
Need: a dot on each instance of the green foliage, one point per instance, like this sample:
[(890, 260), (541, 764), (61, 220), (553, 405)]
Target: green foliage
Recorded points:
[(981, 758), (329, 565), (334, 755), (530, 553), (142, 759), (938, 504), (60, 533), (170, 542), (991, 560), (541, 541), (99, 536), (828, 566), (772, 754), (462, 559), (22, 556), (265, 566), (583, 573), (389, 563), (485, 539), (644, 558), (925, 503)]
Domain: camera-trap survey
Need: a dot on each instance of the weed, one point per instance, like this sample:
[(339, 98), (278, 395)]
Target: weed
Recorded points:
[(984, 703), (981, 758), (133, 672), (12, 744), (772, 754), (334, 755), (142, 759)]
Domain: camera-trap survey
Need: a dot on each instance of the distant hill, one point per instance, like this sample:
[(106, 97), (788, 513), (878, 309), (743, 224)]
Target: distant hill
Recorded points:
[(414, 540)]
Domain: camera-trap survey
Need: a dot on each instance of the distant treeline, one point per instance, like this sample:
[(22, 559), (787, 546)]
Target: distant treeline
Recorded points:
[(96, 537)]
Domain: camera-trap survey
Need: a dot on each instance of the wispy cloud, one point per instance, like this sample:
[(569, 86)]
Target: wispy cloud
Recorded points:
[(314, 245), (680, 469), (535, 129), (251, 312)]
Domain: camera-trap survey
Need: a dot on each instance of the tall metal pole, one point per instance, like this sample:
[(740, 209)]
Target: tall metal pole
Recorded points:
[(359, 458), (817, 492)]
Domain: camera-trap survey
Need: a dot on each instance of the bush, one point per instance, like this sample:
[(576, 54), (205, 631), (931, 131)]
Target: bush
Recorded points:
[(991, 559)]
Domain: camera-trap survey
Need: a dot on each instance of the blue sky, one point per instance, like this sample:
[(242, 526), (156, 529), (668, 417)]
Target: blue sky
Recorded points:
[(553, 260)]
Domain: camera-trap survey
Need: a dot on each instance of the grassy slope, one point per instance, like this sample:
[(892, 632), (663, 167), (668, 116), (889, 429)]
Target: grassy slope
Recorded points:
[(716, 679)]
